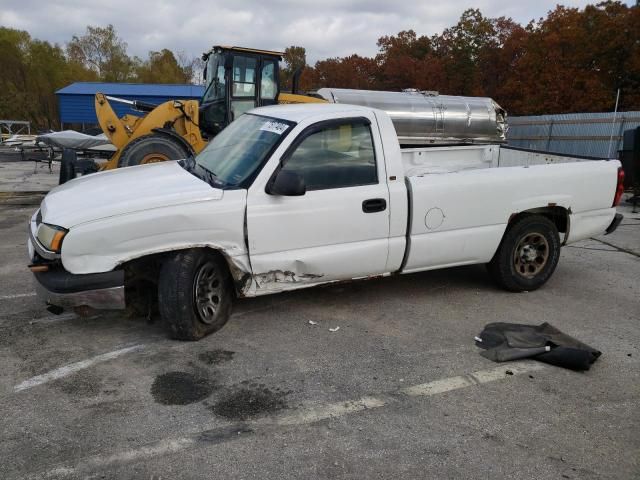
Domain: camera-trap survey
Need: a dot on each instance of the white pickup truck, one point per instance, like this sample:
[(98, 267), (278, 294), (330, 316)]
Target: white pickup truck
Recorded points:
[(293, 196)]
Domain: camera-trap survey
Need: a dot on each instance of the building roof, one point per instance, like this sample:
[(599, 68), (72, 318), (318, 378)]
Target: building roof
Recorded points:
[(134, 89)]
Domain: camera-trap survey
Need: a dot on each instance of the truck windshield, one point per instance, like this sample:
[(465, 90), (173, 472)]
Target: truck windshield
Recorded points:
[(214, 81), (234, 156)]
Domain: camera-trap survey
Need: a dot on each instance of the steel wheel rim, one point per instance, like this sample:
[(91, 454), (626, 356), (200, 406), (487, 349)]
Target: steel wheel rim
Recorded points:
[(207, 289), (531, 254), (154, 158)]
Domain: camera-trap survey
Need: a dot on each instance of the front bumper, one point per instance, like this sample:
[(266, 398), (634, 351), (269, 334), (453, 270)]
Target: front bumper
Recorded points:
[(57, 287), (101, 291)]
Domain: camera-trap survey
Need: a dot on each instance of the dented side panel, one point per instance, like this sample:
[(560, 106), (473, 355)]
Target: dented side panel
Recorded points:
[(322, 236), (102, 245)]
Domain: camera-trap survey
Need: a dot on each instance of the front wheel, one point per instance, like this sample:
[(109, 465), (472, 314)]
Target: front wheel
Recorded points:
[(195, 294), (527, 256), (151, 148)]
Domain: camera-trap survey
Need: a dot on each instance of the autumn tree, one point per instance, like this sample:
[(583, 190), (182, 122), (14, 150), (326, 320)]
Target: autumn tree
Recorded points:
[(353, 71), (571, 60), (407, 60), (574, 61)]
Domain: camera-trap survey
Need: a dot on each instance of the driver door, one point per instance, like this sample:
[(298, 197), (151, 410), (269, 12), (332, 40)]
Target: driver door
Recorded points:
[(339, 228)]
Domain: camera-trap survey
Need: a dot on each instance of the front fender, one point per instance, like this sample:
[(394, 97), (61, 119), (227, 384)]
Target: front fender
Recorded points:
[(102, 245)]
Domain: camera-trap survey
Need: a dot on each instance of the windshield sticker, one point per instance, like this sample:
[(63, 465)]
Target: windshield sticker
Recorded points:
[(274, 127)]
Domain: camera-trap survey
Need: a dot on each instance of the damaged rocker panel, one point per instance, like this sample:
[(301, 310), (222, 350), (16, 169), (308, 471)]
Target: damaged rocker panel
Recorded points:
[(262, 280)]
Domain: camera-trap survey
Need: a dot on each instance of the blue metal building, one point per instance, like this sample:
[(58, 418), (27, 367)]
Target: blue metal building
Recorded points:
[(76, 101), (588, 134)]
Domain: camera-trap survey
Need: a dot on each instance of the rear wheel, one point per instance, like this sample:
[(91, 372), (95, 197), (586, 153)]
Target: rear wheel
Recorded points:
[(151, 148), (527, 256), (195, 294)]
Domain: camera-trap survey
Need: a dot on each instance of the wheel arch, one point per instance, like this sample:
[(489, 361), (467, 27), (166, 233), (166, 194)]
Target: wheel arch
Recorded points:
[(560, 216), (237, 266), (174, 136)]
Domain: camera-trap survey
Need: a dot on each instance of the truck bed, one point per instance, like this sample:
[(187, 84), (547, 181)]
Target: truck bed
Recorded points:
[(432, 160), (462, 197)]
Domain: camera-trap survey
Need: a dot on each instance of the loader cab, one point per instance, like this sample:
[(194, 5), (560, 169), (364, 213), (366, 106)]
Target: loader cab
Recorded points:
[(237, 80)]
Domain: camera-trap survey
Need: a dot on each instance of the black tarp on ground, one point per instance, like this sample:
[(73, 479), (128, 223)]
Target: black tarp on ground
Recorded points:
[(512, 341)]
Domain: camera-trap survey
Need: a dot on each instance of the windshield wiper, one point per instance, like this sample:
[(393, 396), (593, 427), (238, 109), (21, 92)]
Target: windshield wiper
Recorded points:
[(202, 172), (213, 179)]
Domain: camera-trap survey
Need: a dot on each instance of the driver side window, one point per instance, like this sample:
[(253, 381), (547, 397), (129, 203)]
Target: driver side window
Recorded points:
[(336, 156)]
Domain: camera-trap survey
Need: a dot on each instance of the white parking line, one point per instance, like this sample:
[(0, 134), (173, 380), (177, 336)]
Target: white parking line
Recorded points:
[(72, 368), (310, 414), (481, 376), (17, 295), (314, 414)]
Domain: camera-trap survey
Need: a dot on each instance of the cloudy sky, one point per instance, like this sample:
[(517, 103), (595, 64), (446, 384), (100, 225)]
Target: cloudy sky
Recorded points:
[(326, 28)]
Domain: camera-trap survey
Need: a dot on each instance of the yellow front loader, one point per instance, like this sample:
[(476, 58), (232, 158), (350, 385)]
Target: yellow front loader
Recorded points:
[(236, 80)]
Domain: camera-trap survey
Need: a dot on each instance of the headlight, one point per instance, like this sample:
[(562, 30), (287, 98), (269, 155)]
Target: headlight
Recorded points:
[(50, 237)]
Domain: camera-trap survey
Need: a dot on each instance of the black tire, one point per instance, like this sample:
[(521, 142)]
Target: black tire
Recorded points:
[(151, 148), (67, 166), (180, 310), (527, 256)]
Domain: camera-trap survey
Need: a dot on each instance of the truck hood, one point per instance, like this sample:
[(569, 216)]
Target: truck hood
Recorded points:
[(122, 191)]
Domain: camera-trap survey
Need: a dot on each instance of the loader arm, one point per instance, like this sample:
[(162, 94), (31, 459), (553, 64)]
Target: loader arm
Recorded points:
[(178, 115)]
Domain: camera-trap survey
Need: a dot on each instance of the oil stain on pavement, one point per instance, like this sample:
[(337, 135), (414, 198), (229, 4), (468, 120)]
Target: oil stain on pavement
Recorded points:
[(215, 357), (181, 388), (250, 401)]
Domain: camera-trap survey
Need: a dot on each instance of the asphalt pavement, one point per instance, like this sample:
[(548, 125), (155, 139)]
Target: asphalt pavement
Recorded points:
[(398, 391)]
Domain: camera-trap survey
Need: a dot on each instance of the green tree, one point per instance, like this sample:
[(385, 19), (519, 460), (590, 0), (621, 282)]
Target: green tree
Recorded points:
[(32, 72), (162, 67), (101, 50), (460, 48), (294, 58)]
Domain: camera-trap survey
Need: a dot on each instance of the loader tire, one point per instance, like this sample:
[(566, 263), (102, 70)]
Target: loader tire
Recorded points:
[(195, 293), (151, 148), (527, 256)]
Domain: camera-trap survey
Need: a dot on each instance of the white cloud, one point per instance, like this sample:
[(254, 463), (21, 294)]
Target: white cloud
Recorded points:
[(326, 29)]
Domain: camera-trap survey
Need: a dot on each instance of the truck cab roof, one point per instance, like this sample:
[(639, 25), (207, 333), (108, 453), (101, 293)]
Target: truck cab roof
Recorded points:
[(299, 112)]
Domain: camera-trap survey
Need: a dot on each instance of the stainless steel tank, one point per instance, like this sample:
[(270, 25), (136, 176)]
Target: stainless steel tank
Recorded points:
[(425, 118)]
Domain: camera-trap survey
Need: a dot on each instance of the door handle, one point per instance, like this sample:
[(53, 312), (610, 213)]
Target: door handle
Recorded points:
[(374, 205)]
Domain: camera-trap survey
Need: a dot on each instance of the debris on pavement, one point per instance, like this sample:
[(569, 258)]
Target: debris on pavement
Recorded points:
[(311, 322), (334, 329), (503, 342)]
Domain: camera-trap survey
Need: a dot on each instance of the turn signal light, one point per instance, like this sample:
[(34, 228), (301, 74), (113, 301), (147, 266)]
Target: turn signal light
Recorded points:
[(56, 241)]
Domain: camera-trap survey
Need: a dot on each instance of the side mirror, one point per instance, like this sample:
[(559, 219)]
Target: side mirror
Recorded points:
[(287, 183)]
